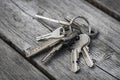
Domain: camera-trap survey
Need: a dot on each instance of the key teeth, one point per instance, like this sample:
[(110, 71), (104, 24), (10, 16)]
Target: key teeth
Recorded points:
[(91, 65), (74, 60), (43, 60), (75, 70)]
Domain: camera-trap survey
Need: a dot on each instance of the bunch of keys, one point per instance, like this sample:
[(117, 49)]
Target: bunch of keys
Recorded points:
[(81, 46), (61, 35)]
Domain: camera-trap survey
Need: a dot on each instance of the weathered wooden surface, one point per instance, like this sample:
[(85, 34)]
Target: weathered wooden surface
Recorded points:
[(15, 67), (111, 7), (21, 29)]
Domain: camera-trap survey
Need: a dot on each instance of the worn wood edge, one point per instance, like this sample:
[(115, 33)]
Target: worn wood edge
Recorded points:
[(104, 8)]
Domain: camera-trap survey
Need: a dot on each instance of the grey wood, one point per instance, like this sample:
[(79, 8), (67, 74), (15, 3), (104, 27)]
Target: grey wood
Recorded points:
[(111, 7), (14, 67), (22, 34)]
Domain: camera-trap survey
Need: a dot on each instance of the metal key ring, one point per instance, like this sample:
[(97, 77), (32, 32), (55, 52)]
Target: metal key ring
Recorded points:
[(73, 19)]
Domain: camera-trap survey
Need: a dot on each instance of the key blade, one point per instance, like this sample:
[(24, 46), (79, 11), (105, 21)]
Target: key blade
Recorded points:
[(45, 45), (51, 53), (87, 58), (85, 53), (42, 37), (52, 20), (55, 34), (84, 40), (74, 61)]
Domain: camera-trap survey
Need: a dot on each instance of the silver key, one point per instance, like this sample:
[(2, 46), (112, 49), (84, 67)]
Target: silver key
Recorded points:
[(74, 61), (52, 20), (86, 56), (58, 33), (84, 40), (51, 53)]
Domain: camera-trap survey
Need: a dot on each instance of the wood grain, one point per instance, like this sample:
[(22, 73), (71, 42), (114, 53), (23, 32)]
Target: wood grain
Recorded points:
[(28, 28), (111, 7), (15, 67)]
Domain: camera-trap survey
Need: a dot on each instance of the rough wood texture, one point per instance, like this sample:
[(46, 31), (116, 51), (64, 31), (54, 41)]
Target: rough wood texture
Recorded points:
[(15, 67), (21, 31), (111, 7)]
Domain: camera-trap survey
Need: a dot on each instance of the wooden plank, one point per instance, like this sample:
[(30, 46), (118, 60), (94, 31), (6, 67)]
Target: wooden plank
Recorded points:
[(59, 67), (14, 67), (111, 7)]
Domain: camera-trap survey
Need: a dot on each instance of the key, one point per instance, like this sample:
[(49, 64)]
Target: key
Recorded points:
[(65, 23), (86, 56), (48, 44), (84, 40), (52, 20), (58, 33), (51, 53), (74, 61)]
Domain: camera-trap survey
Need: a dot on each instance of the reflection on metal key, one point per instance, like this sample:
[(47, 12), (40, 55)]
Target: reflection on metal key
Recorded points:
[(84, 40), (58, 33)]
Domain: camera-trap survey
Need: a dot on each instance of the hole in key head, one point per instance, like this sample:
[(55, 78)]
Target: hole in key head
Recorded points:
[(62, 31), (92, 31)]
